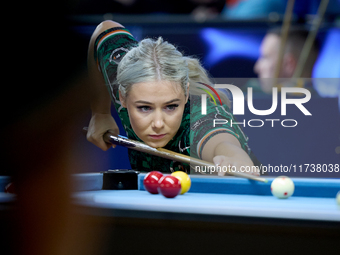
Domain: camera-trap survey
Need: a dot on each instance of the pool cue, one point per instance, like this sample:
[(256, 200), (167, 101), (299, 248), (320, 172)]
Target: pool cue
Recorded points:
[(310, 40), (109, 137), (284, 34)]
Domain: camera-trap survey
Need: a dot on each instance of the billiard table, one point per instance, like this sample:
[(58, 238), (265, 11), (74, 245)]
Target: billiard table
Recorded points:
[(313, 199), (218, 214)]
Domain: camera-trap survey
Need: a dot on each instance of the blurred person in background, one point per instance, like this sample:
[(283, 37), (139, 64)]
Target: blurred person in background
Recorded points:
[(266, 65)]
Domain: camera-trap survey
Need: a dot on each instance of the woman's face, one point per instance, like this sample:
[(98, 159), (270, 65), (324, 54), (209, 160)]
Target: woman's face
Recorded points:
[(155, 110)]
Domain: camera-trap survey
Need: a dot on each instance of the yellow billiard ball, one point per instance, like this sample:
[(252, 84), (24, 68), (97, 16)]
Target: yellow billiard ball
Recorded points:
[(184, 179)]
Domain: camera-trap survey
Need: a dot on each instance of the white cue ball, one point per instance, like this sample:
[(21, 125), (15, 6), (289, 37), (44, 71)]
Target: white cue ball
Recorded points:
[(282, 187), (338, 198)]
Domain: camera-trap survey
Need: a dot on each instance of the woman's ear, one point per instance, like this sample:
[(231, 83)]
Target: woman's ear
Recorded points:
[(122, 99)]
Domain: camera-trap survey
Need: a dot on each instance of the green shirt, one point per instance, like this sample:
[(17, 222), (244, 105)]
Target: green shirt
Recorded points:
[(195, 129)]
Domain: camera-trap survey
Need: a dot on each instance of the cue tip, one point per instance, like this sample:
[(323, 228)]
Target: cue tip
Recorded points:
[(259, 179), (264, 180)]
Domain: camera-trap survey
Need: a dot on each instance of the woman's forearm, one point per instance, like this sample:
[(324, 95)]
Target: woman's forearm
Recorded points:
[(237, 154), (225, 150)]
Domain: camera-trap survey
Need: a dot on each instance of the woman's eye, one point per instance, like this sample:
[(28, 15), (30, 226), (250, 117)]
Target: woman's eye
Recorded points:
[(171, 107), (144, 108)]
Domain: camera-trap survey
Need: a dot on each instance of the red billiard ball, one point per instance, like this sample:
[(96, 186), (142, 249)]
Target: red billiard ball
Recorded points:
[(150, 181), (169, 186)]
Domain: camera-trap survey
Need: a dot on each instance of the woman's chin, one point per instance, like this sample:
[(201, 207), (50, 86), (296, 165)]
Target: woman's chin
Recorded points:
[(157, 143)]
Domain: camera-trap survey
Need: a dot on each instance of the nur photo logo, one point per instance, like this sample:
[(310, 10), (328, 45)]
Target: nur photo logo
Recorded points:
[(239, 102)]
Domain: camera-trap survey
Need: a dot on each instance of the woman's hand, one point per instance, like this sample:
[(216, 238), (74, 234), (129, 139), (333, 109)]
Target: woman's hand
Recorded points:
[(99, 124), (232, 164), (225, 151)]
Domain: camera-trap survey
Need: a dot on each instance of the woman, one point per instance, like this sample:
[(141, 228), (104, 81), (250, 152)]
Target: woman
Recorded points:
[(149, 82)]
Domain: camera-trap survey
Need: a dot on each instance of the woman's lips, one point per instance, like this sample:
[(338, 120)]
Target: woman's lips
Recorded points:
[(157, 136)]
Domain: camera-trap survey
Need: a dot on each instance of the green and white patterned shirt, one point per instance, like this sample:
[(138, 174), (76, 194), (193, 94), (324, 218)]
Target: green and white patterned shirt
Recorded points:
[(195, 129)]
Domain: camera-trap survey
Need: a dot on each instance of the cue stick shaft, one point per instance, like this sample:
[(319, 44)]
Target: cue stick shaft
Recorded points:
[(109, 137), (310, 40), (284, 33)]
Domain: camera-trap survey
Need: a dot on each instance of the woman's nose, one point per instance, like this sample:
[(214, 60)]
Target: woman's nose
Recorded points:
[(158, 121)]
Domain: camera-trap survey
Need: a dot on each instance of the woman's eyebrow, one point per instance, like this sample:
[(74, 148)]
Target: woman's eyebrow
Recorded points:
[(142, 102), (168, 102), (173, 100)]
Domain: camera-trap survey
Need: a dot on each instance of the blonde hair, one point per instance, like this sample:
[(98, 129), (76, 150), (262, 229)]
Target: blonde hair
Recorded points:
[(156, 60)]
